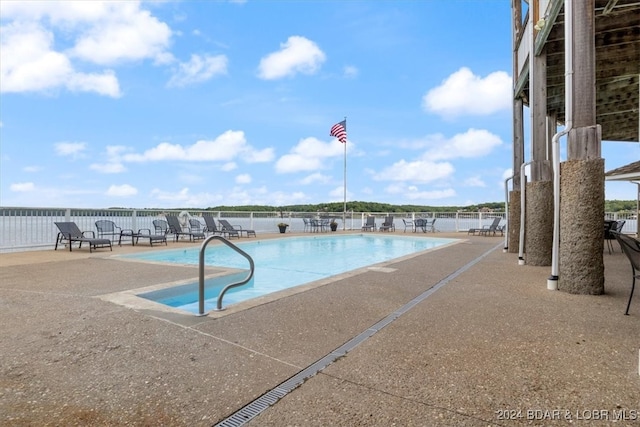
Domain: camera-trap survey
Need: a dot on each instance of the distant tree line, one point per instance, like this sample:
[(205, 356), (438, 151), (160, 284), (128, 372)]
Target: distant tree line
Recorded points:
[(620, 205), (334, 207), (337, 207)]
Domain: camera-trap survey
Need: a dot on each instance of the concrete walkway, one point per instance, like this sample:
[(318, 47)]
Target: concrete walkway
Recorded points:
[(490, 347)]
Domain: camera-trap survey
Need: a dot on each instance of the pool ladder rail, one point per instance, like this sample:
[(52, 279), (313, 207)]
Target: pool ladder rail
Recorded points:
[(229, 286)]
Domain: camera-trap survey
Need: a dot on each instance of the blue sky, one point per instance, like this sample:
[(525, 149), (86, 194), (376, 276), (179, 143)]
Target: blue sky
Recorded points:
[(206, 103)]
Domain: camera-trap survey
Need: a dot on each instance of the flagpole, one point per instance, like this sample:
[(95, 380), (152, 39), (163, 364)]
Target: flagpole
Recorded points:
[(344, 207)]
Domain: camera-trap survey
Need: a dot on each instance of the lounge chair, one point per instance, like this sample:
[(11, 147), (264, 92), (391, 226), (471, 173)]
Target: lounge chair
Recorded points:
[(70, 232), (387, 225), (228, 228), (491, 229), (370, 225), (631, 248), (211, 227), (176, 228), (210, 224), (161, 227), (145, 233)]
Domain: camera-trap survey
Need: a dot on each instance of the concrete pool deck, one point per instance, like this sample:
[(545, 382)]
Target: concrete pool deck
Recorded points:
[(492, 346)]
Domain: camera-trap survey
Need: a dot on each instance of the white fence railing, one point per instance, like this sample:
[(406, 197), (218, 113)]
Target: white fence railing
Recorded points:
[(24, 229)]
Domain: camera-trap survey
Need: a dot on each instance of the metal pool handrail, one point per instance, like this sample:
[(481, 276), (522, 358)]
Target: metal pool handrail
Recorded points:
[(229, 286)]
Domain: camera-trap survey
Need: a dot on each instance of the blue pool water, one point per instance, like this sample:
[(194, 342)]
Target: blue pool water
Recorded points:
[(282, 263)]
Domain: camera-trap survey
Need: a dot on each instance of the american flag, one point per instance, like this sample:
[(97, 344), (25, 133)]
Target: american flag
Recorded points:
[(339, 130)]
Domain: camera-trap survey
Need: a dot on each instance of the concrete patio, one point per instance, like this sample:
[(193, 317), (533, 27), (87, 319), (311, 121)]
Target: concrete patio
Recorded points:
[(490, 347)]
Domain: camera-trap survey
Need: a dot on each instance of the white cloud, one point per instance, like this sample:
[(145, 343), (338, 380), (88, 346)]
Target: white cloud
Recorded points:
[(43, 39), (474, 181), (103, 84), (412, 192), (259, 156), (225, 148), (108, 167), (32, 169), (70, 149), (244, 178), (122, 32), (22, 187), (350, 71), (464, 93), (431, 194), (309, 155), (199, 69), (337, 194), (178, 197), (420, 171), (28, 64), (124, 190), (472, 143), (297, 55), (229, 166), (316, 178)]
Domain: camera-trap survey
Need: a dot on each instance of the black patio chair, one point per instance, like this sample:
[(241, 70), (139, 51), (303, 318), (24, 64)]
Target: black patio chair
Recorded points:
[(631, 248), (611, 227), (106, 228)]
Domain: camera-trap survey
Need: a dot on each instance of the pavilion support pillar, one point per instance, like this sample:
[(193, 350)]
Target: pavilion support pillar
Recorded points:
[(580, 262), (515, 208), (538, 241), (581, 265), (539, 215)]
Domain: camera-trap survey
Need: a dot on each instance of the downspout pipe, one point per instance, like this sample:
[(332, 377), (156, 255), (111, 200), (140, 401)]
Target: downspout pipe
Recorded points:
[(506, 213), (552, 281), (523, 199)]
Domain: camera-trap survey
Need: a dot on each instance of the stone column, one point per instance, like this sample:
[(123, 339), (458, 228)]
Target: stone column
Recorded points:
[(539, 222), (514, 221), (581, 267)]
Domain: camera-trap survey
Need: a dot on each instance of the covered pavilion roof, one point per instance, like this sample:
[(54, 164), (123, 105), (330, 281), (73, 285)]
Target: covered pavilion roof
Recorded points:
[(617, 62)]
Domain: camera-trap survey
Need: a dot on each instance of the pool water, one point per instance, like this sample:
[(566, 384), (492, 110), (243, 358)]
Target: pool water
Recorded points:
[(282, 263)]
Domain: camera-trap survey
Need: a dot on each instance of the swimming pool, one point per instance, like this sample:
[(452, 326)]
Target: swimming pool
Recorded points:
[(282, 263)]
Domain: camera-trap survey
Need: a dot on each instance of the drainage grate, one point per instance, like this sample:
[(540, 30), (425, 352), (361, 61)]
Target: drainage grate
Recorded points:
[(254, 408)]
